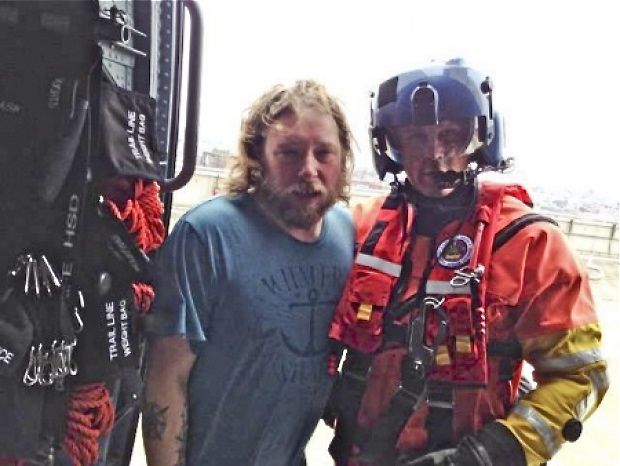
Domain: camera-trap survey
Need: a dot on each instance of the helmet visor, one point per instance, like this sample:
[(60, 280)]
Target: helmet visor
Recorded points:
[(450, 138)]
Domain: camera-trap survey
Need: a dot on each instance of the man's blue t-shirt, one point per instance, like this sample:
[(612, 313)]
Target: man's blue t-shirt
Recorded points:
[(256, 305)]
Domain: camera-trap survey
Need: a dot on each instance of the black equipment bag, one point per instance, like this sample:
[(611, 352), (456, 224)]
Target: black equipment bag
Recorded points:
[(49, 119), (64, 133), (48, 58), (128, 146)]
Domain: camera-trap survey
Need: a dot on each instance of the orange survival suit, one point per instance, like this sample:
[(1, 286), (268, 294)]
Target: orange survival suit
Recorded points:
[(436, 329)]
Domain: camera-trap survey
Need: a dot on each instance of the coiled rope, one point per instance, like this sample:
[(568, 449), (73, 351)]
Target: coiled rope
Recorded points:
[(90, 413)]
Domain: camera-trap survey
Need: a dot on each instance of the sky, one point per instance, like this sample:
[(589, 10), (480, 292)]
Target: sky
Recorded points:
[(554, 65)]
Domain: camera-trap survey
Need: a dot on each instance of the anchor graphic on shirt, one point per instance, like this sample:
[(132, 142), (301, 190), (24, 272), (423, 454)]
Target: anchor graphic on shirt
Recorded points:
[(313, 304)]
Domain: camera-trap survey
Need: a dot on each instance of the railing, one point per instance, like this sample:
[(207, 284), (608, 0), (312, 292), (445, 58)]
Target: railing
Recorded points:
[(588, 237)]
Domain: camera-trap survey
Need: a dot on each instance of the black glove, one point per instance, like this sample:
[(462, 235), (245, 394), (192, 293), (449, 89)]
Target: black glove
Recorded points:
[(435, 458), (331, 410), (494, 445)]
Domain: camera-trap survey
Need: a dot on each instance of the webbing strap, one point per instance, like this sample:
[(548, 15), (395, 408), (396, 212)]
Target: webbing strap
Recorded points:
[(504, 235), (391, 202), (352, 385)]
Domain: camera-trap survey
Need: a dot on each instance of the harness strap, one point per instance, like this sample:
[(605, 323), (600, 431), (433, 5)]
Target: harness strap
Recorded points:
[(352, 384), (373, 237), (504, 235), (440, 415)]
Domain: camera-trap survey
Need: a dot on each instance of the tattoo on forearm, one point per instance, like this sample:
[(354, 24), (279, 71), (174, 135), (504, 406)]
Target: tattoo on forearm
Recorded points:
[(153, 420), (182, 439)]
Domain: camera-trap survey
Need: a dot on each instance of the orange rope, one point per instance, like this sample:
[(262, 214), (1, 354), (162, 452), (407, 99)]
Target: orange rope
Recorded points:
[(143, 295), (90, 415), (142, 215)]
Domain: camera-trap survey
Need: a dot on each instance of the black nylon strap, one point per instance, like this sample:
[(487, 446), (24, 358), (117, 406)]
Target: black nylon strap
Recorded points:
[(504, 235), (352, 385), (391, 202), (373, 237), (505, 349), (440, 413), (380, 447)]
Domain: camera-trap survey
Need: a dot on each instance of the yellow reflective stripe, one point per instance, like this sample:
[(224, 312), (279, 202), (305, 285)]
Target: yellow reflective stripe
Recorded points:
[(364, 311), (599, 379), (568, 362), (540, 425), (463, 343), (391, 268), (442, 356)]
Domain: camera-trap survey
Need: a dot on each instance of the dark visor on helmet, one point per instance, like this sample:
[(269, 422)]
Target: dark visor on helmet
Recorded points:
[(453, 135)]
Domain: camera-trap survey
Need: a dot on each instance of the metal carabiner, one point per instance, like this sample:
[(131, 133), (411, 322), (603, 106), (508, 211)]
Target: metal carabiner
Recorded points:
[(465, 275), (78, 323), (50, 271), (127, 31), (35, 278), (44, 367), (28, 272), (30, 375), (72, 367), (433, 302)]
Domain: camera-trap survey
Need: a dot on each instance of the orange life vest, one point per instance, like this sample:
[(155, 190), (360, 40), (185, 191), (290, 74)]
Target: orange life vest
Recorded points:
[(446, 276)]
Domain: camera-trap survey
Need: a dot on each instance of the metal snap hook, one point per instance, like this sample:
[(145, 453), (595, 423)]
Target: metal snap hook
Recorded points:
[(465, 275), (45, 367), (459, 280), (433, 302), (78, 322), (30, 375)]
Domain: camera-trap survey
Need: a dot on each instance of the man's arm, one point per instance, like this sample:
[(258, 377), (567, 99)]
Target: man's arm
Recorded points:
[(560, 337), (165, 415)]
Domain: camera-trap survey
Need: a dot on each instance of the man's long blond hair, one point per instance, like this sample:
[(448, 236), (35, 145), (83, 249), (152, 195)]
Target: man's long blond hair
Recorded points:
[(246, 171)]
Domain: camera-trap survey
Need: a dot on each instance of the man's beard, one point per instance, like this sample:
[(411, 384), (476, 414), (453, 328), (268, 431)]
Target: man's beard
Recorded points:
[(281, 202)]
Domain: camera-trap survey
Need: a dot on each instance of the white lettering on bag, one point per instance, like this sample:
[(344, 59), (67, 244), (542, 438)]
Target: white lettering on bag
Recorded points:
[(124, 329), (109, 316)]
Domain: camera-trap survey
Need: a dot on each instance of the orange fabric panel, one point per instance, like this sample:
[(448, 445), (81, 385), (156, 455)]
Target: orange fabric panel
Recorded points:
[(364, 215), (537, 273)]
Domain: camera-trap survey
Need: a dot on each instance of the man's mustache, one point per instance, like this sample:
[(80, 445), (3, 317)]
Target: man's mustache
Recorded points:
[(306, 187), (448, 177)]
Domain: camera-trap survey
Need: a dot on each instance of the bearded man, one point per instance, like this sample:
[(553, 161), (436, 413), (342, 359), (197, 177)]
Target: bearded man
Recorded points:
[(248, 283)]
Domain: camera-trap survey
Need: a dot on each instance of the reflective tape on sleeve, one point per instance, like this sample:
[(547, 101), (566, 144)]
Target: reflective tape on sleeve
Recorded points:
[(599, 379), (568, 362), (600, 383), (377, 263), (445, 287), (540, 425)]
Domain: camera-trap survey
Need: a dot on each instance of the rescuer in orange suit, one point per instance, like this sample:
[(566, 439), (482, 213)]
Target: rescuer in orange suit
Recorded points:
[(456, 283)]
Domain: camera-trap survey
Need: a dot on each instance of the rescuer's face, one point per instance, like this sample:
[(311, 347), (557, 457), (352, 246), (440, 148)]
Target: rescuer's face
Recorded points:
[(302, 168), (428, 153)]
